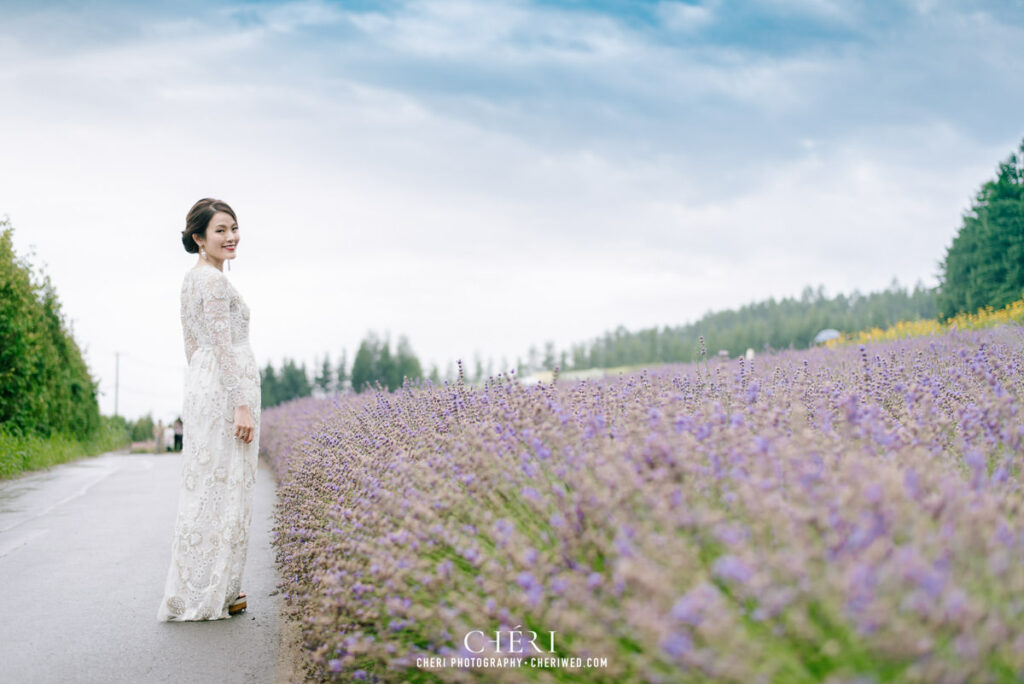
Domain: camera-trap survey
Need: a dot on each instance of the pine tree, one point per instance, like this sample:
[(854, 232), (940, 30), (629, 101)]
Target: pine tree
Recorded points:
[(269, 391), (294, 381), (325, 379), (387, 366), (364, 370), (342, 373), (408, 365), (984, 266)]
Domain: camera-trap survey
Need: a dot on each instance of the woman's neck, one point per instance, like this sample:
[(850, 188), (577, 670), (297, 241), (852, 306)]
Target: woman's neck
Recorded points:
[(219, 265)]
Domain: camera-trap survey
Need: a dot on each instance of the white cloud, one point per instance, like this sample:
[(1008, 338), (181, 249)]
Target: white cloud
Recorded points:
[(684, 16), (837, 11), (494, 31)]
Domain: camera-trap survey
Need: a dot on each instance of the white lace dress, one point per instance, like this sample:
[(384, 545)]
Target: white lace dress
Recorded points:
[(218, 471)]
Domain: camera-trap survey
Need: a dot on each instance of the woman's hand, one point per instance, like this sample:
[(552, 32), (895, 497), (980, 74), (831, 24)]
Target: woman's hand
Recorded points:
[(244, 427)]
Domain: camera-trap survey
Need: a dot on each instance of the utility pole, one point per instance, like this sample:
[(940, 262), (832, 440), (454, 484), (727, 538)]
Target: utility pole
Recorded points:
[(117, 374)]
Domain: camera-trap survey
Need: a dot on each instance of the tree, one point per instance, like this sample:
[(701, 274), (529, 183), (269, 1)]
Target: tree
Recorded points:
[(407, 363), (342, 378), (269, 391), (325, 379), (984, 265), (293, 382), (142, 429), (549, 356), (532, 360), (387, 367), (374, 363), (364, 370)]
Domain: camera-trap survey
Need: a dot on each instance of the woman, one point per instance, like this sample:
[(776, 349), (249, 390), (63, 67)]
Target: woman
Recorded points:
[(221, 429)]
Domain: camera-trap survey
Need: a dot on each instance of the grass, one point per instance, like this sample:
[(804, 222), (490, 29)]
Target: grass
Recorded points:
[(23, 453)]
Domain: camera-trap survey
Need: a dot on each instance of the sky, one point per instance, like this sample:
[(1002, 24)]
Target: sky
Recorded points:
[(486, 176)]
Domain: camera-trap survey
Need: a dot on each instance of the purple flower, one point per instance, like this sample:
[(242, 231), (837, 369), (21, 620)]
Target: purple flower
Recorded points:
[(730, 567), (525, 579), (688, 609), (531, 494), (676, 644)]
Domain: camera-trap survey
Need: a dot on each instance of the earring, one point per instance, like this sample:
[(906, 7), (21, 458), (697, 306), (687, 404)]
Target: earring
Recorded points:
[(229, 264), (202, 252)]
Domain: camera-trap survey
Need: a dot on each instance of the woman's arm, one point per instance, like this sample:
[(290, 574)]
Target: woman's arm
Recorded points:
[(217, 312), (189, 335)]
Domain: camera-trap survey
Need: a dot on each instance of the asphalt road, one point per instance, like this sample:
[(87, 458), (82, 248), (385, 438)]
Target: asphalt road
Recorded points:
[(84, 552)]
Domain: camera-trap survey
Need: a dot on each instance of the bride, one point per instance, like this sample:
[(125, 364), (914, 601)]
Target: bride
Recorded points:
[(221, 423)]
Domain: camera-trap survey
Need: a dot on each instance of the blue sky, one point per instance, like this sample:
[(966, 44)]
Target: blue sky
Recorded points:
[(483, 176)]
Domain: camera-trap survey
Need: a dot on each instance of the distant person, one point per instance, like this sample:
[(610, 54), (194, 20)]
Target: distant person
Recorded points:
[(168, 438), (177, 434), (221, 429)]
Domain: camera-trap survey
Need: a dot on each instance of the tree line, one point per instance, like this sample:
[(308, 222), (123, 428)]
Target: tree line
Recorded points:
[(789, 323), (45, 385), (375, 364), (49, 408)]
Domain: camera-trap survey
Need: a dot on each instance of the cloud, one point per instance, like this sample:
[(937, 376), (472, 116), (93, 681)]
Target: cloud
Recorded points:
[(829, 10), (506, 33), (683, 16), (284, 18)]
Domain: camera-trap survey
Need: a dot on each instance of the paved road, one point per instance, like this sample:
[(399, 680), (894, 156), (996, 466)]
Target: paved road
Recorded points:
[(84, 551)]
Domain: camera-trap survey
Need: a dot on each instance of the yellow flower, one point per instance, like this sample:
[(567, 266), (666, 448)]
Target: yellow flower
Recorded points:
[(985, 317)]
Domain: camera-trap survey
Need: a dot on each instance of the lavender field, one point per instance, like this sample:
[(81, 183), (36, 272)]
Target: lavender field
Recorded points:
[(839, 515)]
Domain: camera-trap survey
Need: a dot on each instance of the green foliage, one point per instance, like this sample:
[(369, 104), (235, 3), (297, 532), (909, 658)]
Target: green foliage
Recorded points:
[(325, 379), (374, 364), (342, 372), (268, 387), (984, 266), (788, 323), (290, 382), (363, 370), (407, 365), (142, 429), (45, 385), (23, 452)]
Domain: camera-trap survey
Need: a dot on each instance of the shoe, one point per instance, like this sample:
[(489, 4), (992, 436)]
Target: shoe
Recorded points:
[(238, 605)]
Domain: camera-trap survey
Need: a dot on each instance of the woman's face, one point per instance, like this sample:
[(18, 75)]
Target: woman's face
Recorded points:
[(221, 237)]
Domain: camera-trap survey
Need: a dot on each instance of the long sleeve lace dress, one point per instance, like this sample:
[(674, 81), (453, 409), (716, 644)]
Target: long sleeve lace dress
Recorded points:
[(218, 471)]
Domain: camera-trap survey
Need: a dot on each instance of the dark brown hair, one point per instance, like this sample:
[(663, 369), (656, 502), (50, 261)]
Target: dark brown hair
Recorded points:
[(199, 218)]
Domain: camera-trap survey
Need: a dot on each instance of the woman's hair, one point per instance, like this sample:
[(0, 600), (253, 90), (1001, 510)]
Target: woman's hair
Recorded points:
[(199, 218)]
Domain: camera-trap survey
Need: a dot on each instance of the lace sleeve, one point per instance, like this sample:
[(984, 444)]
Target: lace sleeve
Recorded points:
[(217, 312), (189, 335)]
